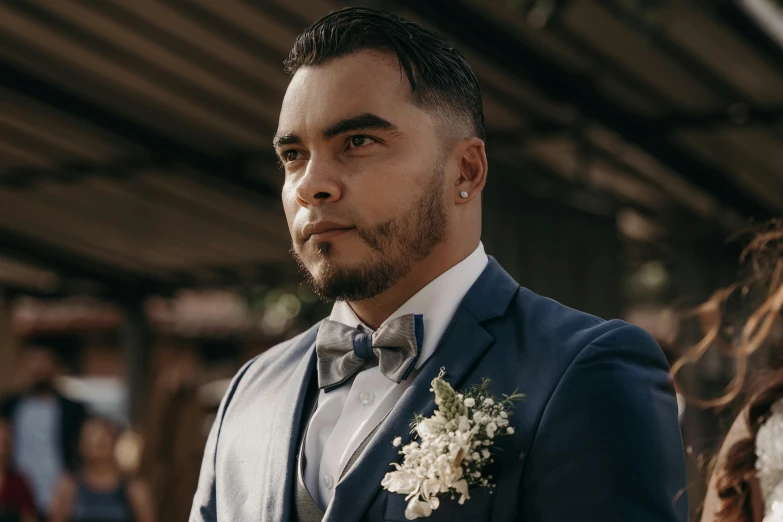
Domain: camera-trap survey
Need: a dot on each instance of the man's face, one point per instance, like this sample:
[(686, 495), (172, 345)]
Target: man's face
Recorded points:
[(364, 175)]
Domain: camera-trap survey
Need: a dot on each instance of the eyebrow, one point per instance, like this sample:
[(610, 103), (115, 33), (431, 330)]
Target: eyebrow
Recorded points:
[(362, 122), (286, 139)]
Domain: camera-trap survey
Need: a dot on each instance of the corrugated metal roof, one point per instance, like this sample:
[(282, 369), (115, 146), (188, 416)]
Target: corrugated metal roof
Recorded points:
[(136, 135)]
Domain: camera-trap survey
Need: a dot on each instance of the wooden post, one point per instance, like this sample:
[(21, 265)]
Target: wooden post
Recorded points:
[(136, 342), (8, 345)]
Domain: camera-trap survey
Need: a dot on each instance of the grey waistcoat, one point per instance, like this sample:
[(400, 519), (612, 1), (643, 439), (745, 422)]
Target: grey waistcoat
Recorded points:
[(305, 508)]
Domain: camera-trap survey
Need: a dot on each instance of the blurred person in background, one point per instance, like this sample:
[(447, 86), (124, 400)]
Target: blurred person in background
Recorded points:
[(45, 424), (746, 478), (16, 498), (100, 492)]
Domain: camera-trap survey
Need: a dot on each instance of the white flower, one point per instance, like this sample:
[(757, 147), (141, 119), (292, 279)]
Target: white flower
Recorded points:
[(510, 430), (449, 453), (400, 481), (491, 429), (462, 488), (430, 426), (416, 508), (429, 489)]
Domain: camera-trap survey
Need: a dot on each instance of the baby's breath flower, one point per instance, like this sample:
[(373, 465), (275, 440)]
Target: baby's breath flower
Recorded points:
[(451, 447)]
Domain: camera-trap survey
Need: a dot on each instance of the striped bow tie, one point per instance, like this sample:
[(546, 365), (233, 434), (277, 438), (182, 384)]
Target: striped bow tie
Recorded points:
[(342, 350)]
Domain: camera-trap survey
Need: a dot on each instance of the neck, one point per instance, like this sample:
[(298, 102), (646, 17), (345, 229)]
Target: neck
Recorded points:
[(373, 312)]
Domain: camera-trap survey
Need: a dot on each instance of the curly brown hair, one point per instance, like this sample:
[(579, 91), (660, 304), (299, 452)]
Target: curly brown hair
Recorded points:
[(733, 479), (737, 471)]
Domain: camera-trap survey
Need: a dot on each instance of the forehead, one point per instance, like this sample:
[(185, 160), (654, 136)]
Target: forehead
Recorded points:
[(363, 82)]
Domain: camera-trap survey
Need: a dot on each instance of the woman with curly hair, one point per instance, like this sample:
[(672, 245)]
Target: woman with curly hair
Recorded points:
[(746, 483)]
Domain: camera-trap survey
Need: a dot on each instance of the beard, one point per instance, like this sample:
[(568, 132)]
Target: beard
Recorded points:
[(397, 244)]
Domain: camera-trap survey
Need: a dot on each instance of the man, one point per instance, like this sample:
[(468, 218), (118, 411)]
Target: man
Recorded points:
[(381, 138), (45, 424)]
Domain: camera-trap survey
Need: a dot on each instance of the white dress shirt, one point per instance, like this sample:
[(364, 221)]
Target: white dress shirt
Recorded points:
[(346, 415)]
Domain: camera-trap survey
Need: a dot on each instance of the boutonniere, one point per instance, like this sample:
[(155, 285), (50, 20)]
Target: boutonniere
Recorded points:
[(451, 447)]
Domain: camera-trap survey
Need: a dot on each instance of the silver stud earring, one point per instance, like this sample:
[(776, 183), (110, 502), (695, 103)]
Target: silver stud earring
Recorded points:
[(463, 194)]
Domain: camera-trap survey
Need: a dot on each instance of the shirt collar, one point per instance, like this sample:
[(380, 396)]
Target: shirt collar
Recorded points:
[(437, 301)]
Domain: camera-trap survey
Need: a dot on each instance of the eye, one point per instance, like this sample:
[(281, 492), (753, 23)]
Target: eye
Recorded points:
[(289, 155), (359, 140)]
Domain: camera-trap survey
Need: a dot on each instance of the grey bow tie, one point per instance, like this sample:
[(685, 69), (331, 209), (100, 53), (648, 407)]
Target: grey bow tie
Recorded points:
[(342, 350)]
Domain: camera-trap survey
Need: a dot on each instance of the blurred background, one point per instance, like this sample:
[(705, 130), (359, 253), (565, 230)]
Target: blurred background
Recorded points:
[(143, 247)]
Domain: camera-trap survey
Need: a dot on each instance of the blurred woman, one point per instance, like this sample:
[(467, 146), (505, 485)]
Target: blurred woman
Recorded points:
[(100, 492), (16, 498), (746, 483)]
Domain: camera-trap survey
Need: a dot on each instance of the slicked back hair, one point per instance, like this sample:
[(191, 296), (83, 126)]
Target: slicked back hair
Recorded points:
[(440, 78)]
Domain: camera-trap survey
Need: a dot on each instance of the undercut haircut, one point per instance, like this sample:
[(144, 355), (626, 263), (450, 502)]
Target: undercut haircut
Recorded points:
[(440, 78)]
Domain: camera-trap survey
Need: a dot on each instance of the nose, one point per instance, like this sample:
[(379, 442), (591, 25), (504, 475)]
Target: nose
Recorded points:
[(319, 185)]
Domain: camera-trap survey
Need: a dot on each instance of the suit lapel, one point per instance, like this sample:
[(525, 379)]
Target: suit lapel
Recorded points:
[(288, 421)]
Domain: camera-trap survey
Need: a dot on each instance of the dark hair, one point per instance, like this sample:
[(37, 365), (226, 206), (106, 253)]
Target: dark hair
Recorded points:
[(438, 74)]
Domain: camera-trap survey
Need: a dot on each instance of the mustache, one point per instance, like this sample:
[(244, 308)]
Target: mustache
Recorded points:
[(373, 235)]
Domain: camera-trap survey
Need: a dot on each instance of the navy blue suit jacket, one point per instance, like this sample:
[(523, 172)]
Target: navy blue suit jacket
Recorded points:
[(596, 438)]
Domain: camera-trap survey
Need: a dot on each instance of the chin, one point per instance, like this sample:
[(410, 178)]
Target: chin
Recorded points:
[(344, 250), (325, 265)]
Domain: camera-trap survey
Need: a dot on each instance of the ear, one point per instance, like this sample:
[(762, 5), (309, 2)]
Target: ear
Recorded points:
[(472, 170)]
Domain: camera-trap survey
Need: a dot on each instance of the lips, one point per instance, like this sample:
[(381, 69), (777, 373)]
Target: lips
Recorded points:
[(324, 231)]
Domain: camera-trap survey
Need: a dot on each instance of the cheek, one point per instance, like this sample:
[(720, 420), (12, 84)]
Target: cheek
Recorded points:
[(290, 205), (389, 187)]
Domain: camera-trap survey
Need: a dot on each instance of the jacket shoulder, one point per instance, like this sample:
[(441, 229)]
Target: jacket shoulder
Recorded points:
[(273, 362), (284, 353), (564, 332)]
